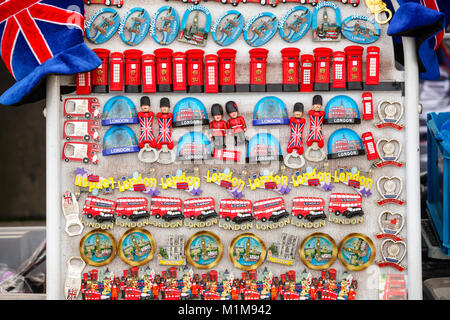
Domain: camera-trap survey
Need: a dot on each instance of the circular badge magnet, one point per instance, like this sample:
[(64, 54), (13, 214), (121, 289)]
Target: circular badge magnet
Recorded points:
[(318, 251), (165, 25), (204, 250), (356, 252), (361, 29), (98, 248), (260, 29), (247, 251), (102, 25), (134, 26), (136, 247), (295, 24), (228, 27)]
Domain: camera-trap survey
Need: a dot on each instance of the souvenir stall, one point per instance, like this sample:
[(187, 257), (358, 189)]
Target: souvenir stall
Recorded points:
[(235, 150)]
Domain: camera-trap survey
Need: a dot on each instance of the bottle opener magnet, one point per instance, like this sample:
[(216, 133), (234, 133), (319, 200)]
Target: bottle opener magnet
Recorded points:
[(377, 7), (164, 142), (71, 212), (72, 284), (315, 139), (295, 145)]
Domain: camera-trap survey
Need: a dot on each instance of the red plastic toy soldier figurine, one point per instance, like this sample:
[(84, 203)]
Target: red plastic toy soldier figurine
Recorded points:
[(236, 123), (165, 125), (315, 140), (295, 144), (218, 127)]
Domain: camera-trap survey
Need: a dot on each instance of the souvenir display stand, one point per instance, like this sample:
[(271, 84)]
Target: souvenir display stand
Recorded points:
[(395, 86)]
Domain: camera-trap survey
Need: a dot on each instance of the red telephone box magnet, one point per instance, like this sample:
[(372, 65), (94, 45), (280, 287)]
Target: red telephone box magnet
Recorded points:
[(148, 73), (164, 69), (367, 101), (116, 73), (290, 57), (339, 74), (227, 70), (354, 67), (133, 59), (211, 73), (322, 57), (194, 63), (100, 75), (179, 72), (373, 65), (258, 68), (83, 83), (307, 72)]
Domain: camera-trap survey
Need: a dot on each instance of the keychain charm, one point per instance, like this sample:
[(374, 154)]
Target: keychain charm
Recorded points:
[(378, 7), (71, 213), (315, 140), (390, 114), (390, 191), (295, 145), (72, 284), (390, 151)]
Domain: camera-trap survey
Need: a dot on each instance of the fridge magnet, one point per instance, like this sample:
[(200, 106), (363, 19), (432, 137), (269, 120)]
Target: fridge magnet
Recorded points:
[(262, 148), (270, 111), (318, 251), (283, 251), (120, 139), (295, 24), (391, 224), (189, 112), (136, 247), (72, 283), (71, 212), (147, 141), (393, 252), (260, 29), (393, 287), (344, 143), (218, 127), (166, 212), (342, 110), (247, 251), (81, 108), (102, 25), (164, 141), (227, 28), (194, 31), (390, 189), (315, 141), (390, 114), (236, 123), (326, 22), (295, 145), (119, 110), (236, 214), (200, 212), (99, 213), (378, 7), (355, 179), (132, 212), (194, 146), (77, 151), (270, 214), (360, 29), (204, 250), (308, 212), (181, 180), (278, 183), (165, 25), (172, 254), (390, 151), (313, 177), (356, 252), (98, 248), (228, 180), (86, 130), (347, 208), (134, 26)]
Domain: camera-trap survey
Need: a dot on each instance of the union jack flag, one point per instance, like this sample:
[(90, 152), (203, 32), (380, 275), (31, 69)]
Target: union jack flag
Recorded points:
[(147, 135), (24, 25), (165, 133), (296, 139), (315, 128)]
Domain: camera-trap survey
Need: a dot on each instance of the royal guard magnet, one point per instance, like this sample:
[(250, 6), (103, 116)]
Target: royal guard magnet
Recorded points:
[(342, 109), (190, 30), (148, 73), (315, 141), (344, 143), (189, 112), (227, 70), (102, 25), (390, 114), (164, 141), (165, 25), (295, 145), (236, 123), (295, 24), (390, 151), (218, 127), (270, 111), (326, 22), (291, 69), (228, 28), (134, 26), (147, 141), (260, 29)]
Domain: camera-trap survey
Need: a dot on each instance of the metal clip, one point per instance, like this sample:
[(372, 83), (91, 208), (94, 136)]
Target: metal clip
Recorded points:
[(315, 147), (377, 7), (72, 284), (71, 213)]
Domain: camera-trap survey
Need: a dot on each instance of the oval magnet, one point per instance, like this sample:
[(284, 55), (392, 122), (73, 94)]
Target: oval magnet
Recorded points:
[(360, 29), (134, 26), (295, 24), (260, 29), (228, 27), (165, 25), (102, 25)]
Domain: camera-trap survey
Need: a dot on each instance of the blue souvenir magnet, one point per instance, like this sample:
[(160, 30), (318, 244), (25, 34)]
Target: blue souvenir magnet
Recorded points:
[(134, 26), (295, 24), (345, 143), (263, 147), (165, 25), (102, 25), (269, 111), (342, 110), (326, 23), (360, 29), (228, 27), (260, 29), (194, 146), (119, 110), (119, 139), (189, 112), (191, 31)]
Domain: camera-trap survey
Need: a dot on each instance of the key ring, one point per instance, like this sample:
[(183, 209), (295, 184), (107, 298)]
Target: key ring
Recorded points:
[(315, 147), (154, 154), (377, 7), (295, 164)]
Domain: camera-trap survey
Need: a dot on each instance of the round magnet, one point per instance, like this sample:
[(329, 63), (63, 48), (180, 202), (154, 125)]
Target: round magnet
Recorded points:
[(318, 251), (98, 248), (204, 250), (136, 247), (247, 251), (356, 252)]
